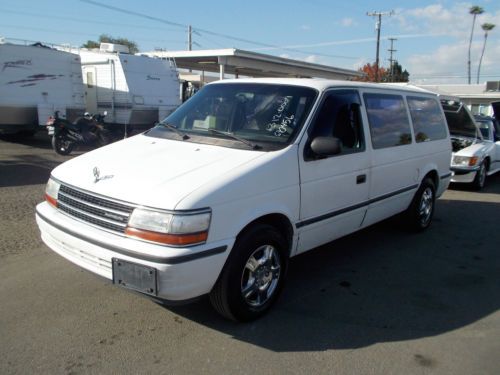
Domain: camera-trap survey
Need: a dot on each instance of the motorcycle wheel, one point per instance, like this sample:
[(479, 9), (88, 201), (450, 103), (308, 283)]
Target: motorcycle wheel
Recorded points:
[(62, 146), (103, 138)]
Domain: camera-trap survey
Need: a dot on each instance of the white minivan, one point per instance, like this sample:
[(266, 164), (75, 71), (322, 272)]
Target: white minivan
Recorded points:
[(247, 173)]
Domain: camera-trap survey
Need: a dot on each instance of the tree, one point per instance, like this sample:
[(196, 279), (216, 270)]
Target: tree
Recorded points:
[(370, 71), (474, 10), (486, 28), (103, 38), (399, 75), (91, 44)]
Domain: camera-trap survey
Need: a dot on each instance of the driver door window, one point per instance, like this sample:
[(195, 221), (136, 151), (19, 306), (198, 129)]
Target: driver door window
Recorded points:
[(340, 117)]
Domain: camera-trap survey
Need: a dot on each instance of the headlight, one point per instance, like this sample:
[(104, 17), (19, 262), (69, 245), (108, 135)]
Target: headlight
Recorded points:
[(465, 161), (177, 229), (51, 192)]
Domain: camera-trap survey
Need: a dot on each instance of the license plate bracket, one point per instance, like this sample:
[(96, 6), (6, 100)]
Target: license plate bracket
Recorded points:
[(135, 276)]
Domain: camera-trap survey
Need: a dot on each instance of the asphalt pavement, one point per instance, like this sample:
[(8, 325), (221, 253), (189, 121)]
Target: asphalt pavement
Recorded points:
[(380, 301)]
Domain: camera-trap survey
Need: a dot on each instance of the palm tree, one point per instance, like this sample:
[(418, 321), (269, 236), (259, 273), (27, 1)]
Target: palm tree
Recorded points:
[(486, 27), (474, 10)]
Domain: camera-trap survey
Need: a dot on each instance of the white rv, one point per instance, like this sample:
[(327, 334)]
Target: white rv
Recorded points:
[(35, 81), (134, 90)]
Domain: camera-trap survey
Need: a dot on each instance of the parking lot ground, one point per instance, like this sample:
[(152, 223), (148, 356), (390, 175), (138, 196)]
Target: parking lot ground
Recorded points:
[(381, 301)]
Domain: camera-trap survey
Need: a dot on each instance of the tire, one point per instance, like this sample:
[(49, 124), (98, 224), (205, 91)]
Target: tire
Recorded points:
[(62, 146), (421, 210), (480, 179), (253, 275), (103, 138)]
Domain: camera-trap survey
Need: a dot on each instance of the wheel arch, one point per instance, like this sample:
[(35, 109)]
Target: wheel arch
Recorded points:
[(277, 220), (434, 176), (487, 161)]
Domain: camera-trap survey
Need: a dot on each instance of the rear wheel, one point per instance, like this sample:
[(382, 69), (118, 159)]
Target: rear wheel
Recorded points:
[(253, 275), (480, 179), (419, 214), (103, 138), (62, 146)]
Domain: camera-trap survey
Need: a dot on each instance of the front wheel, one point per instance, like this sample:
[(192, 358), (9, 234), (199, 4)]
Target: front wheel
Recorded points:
[(253, 275), (480, 179), (61, 145), (419, 214)]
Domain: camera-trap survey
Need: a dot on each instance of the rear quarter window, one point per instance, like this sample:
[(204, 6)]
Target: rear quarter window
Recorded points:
[(427, 118), (388, 120)]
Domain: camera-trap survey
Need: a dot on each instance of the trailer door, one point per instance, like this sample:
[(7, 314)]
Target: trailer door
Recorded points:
[(89, 80)]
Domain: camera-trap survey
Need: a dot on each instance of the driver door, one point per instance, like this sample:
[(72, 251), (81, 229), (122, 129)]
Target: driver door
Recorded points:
[(334, 189)]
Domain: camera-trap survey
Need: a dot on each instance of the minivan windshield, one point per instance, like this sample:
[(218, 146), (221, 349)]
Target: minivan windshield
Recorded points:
[(246, 115)]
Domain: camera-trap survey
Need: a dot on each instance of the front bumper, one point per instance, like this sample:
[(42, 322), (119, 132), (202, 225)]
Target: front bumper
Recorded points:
[(183, 273), (463, 175)]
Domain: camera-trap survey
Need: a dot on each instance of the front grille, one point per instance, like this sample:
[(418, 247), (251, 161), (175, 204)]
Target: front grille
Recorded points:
[(98, 211)]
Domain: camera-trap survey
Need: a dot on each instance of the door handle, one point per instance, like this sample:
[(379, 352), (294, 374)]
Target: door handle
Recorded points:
[(361, 179)]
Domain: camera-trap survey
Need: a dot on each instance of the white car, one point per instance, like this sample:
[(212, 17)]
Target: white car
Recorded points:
[(244, 175), (476, 147)]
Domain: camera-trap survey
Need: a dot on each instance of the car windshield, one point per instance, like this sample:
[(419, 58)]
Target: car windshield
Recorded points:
[(484, 126), (259, 116)]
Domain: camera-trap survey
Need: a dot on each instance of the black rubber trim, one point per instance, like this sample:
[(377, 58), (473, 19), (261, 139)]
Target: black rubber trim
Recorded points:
[(464, 169), (446, 176), (161, 260), (329, 215)]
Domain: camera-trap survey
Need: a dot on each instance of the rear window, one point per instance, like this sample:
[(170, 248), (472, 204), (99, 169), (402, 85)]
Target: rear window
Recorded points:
[(427, 118), (388, 120)]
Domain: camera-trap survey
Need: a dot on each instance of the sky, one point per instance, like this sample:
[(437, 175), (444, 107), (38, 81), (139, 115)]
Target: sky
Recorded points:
[(432, 36)]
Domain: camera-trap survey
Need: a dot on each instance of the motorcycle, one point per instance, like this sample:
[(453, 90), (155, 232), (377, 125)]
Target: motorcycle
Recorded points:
[(87, 130)]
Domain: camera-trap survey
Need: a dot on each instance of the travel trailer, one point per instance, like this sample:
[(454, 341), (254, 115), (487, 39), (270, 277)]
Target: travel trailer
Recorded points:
[(134, 90), (35, 81)]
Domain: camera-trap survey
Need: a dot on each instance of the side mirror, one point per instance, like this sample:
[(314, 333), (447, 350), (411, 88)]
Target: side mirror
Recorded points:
[(326, 146)]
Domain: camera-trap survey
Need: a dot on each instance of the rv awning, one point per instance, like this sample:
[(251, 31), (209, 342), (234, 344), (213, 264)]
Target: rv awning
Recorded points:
[(251, 64)]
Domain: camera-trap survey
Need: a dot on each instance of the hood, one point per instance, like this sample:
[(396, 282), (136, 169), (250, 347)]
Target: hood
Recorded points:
[(460, 121), (150, 171), (476, 149)]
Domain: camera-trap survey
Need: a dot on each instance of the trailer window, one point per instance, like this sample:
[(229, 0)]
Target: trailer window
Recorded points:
[(90, 80)]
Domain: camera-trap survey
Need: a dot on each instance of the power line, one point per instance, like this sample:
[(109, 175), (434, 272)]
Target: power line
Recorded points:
[(205, 31), (88, 21)]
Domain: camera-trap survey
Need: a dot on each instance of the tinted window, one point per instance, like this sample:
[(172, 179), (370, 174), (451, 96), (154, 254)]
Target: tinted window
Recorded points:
[(428, 121), (388, 120), (339, 116)]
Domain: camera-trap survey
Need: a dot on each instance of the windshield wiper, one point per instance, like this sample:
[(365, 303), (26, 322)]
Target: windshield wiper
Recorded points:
[(235, 137), (174, 129)]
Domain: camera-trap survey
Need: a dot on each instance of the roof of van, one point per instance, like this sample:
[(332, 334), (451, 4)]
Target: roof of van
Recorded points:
[(322, 84)]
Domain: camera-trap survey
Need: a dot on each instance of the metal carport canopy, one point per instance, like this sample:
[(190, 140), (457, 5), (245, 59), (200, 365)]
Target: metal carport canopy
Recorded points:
[(252, 64)]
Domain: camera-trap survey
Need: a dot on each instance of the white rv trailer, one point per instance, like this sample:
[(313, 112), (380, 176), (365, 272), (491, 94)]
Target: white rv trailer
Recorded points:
[(35, 81), (134, 90)]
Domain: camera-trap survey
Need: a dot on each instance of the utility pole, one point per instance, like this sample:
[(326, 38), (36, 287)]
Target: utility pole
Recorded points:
[(391, 60), (190, 41), (190, 38), (378, 26)]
